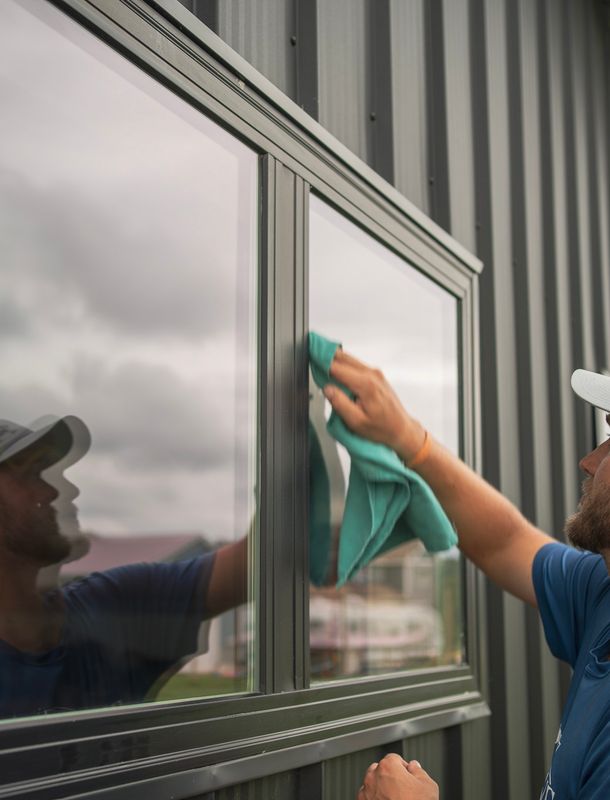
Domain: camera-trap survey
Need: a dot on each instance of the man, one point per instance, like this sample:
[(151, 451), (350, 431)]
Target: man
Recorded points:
[(570, 587), (107, 639)]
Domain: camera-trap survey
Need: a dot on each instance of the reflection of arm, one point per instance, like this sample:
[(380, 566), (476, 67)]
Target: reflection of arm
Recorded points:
[(492, 532), (150, 612), (228, 586)]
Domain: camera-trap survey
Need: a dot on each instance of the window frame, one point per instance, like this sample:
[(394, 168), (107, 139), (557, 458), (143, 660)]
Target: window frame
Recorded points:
[(168, 747)]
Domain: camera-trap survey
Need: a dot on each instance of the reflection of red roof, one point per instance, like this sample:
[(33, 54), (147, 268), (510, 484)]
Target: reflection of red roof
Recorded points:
[(106, 552)]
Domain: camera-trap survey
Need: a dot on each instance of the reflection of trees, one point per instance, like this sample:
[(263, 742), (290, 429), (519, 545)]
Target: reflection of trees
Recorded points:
[(403, 611)]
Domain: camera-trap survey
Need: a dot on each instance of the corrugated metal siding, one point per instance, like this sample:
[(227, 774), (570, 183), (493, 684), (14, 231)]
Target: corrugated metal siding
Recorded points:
[(458, 119), (498, 126), (561, 355), (409, 100), (274, 787), (597, 147), (437, 752), (343, 776), (342, 72), (262, 32), (476, 759)]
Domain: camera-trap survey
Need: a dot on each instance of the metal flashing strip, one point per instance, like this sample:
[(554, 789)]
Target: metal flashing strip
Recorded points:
[(229, 773), (201, 35)]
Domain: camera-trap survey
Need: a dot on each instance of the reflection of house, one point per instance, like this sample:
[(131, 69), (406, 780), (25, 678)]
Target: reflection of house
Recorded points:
[(403, 610), (352, 633), (355, 634), (105, 552)]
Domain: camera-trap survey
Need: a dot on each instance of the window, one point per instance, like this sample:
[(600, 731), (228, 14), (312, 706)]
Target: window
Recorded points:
[(405, 609), (146, 180), (128, 227)]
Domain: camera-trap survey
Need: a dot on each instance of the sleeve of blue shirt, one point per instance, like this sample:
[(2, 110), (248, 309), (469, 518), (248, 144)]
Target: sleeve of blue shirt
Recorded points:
[(566, 582)]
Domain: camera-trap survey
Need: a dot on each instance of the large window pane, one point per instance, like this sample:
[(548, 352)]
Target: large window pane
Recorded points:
[(127, 311), (403, 610)]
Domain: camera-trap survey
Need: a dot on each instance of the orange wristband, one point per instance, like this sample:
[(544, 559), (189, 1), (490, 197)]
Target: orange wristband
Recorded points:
[(422, 453)]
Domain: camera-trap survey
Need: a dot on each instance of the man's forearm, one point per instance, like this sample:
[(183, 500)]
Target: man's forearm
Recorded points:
[(228, 586), (492, 531)]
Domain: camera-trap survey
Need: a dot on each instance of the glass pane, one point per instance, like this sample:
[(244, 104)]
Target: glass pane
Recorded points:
[(128, 312), (405, 609)]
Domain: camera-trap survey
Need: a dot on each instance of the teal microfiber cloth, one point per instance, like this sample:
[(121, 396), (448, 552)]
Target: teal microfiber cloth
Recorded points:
[(386, 503)]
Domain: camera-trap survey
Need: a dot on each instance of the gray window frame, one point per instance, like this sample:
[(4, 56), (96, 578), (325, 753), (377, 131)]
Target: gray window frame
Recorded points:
[(167, 749)]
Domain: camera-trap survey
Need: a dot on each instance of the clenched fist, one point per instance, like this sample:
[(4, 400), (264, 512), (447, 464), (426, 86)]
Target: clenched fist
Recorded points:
[(393, 778)]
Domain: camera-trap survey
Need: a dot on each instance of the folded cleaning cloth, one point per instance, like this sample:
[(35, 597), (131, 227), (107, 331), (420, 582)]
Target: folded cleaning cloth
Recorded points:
[(386, 503)]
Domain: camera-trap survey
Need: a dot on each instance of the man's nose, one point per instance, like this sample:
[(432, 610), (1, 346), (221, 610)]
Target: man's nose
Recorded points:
[(592, 460)]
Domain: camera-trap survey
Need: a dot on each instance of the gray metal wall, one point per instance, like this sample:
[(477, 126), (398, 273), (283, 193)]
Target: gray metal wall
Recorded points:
[(492, 117)]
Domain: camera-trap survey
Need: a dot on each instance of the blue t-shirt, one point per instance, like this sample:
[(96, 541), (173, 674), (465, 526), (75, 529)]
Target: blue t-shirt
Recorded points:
[(573, 591), (123, 629)]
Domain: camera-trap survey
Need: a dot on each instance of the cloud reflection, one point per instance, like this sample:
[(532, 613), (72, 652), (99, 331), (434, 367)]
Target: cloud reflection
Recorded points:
[(128, 228)]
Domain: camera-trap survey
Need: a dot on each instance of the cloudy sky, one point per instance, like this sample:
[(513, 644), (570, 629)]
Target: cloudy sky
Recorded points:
[(127, 289)]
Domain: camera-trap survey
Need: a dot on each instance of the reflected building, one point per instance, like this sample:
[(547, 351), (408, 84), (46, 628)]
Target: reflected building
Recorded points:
[(398, 613)]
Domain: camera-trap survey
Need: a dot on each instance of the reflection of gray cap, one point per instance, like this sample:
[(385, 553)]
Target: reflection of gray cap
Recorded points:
[(592, 387), (66, 437)]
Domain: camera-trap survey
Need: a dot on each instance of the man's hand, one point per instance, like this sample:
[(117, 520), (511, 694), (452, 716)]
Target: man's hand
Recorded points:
[(393, 778), (376, 413)]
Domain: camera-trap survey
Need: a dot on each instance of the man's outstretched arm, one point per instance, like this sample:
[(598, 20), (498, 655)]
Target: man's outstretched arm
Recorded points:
[(492, 532)]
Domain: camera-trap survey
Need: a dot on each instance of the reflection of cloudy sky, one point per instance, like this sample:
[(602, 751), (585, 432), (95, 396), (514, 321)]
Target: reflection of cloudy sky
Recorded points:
[(127, 223), (388, 315)]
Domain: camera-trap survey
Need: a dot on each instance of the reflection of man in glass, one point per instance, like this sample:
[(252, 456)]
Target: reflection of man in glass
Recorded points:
[(108, 638)]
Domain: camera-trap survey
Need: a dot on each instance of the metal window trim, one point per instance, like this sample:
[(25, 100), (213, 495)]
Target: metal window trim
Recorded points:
[(230, 773), (181, 772), (167, 42), (462, 285)]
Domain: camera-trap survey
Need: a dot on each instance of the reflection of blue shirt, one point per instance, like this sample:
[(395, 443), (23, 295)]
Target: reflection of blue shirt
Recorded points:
[(122, 630), (573, 591)]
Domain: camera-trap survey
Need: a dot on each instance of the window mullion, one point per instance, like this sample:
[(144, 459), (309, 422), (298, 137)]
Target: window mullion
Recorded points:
[(283, 606)]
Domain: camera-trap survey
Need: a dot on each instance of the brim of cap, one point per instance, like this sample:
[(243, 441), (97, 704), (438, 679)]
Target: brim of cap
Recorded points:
[(67, 439), (592, 387)]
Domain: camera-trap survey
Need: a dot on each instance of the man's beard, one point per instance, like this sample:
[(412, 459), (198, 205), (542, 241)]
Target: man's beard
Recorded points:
[(36, 536), (589, 527)]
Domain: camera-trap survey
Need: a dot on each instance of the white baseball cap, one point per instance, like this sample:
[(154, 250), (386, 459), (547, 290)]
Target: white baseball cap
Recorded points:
[(592, 387), (66, 437)]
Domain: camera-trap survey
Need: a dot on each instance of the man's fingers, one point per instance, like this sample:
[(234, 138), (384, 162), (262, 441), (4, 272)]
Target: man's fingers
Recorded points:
[(347, 374), (394, 758), (415, 768), (345, 358), (349, 412)]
